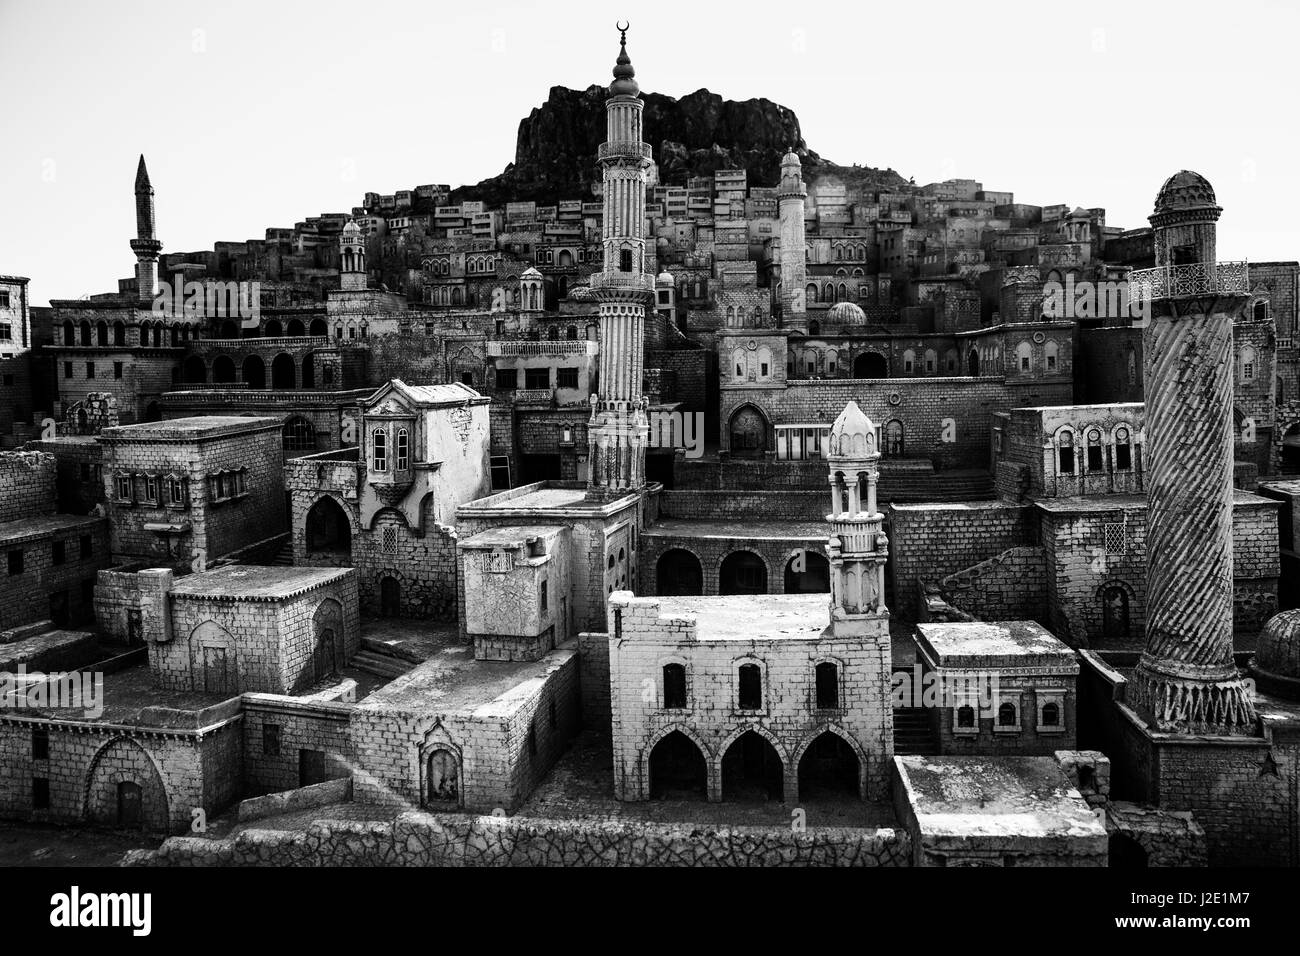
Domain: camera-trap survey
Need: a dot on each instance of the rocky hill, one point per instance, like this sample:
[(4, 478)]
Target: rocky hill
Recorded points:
[(692, 136)]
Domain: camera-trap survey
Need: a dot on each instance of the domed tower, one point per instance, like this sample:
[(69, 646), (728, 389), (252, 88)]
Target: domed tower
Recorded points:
[(145, 245), (858, 546), (791, 195), (352, 249), (1276, 666), (1186, 681), (531, 292), (619, 428)]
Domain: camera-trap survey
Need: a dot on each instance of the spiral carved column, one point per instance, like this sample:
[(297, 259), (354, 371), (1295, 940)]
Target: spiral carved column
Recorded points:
[(1186, 681)]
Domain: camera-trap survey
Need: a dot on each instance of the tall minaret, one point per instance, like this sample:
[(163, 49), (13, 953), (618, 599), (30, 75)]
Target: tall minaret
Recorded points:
[(144, 245), (858, 546), (1186, 681), (619, 429), (791, 195)]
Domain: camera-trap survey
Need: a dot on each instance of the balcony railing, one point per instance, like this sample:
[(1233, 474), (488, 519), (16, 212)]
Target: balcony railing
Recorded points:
[(535, 396), (623, 280), (1195, 278), (508, 347), (635, 150)]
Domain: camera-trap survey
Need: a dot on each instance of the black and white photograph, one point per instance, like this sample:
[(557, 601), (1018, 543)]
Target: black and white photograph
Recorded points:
[(607, 437)]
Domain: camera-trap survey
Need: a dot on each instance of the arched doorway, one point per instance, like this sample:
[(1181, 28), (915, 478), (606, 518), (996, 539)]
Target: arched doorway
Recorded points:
[(973, 363), (828, 768), (390, 597), (748, 433), (1114, 613), (318, 328), (678, 771), (870, 365), (194, 372), (1291, 450), (328, 530), (308, 371), (742, 572), (296, 328), (282, 372), (223, 370), (678, 572), (254, 372), (272, 330), (442, 778), (751, 770), (807, 572)]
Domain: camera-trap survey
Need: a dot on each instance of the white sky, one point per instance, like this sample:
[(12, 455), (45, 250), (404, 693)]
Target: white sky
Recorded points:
[(275, 110)]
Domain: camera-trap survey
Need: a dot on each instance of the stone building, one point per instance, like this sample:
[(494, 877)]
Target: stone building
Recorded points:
[(388, 505), (187, 492)]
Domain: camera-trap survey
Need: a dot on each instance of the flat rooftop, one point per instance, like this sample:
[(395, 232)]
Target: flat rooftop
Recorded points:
[(509, 535), (755, 530), (452, 681), (1002, 797), (752, 617), (41, 526), (981, 643), (557, 498), (190, 429), (126, 694), (256, 582)]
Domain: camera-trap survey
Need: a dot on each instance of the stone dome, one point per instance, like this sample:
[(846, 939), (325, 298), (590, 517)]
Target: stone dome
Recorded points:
[(665, 278), (1279, 644), (530, 273), (853, 435), (1185, 190), (791, 159), (352, 229), (846, 313)]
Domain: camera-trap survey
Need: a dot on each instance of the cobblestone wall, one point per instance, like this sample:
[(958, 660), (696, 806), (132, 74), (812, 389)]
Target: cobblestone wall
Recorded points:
[(422, 839)]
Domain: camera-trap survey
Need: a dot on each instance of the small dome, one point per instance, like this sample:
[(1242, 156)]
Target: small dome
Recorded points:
[(625, 83), (1185, 190), (352, 229), (846, 313), (853, 435), (531, 273), (1278, 650), (665, 278), (791, 159)]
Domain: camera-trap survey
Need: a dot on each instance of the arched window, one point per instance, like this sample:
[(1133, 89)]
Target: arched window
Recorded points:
[(69, 334), (909, 362), (1123, 449), (674, 686), (119, 333), (298, 434), (1007, 715), (810, 293), (1051, 715), (1024, 356), (749, 689), (379, 450), (1261, 311), (1248, 364), (1050, 352), (403, 450), (1065, 452), (1096, 459), (931, 358), (827, 679), (966, 716)]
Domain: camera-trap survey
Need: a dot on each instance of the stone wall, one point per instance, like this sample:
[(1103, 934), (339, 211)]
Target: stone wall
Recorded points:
[(1006, 587), (27, 485), (423, 839), (59, 560)]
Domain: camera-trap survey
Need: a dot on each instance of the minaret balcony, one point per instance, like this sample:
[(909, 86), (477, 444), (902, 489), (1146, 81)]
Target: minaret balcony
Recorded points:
[(1189, 279), (631, 281), (637, 151)]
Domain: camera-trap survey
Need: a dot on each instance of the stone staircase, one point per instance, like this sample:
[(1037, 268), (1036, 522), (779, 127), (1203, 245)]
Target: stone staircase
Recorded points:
[(284, 557), (912, 732), (379, 664)]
